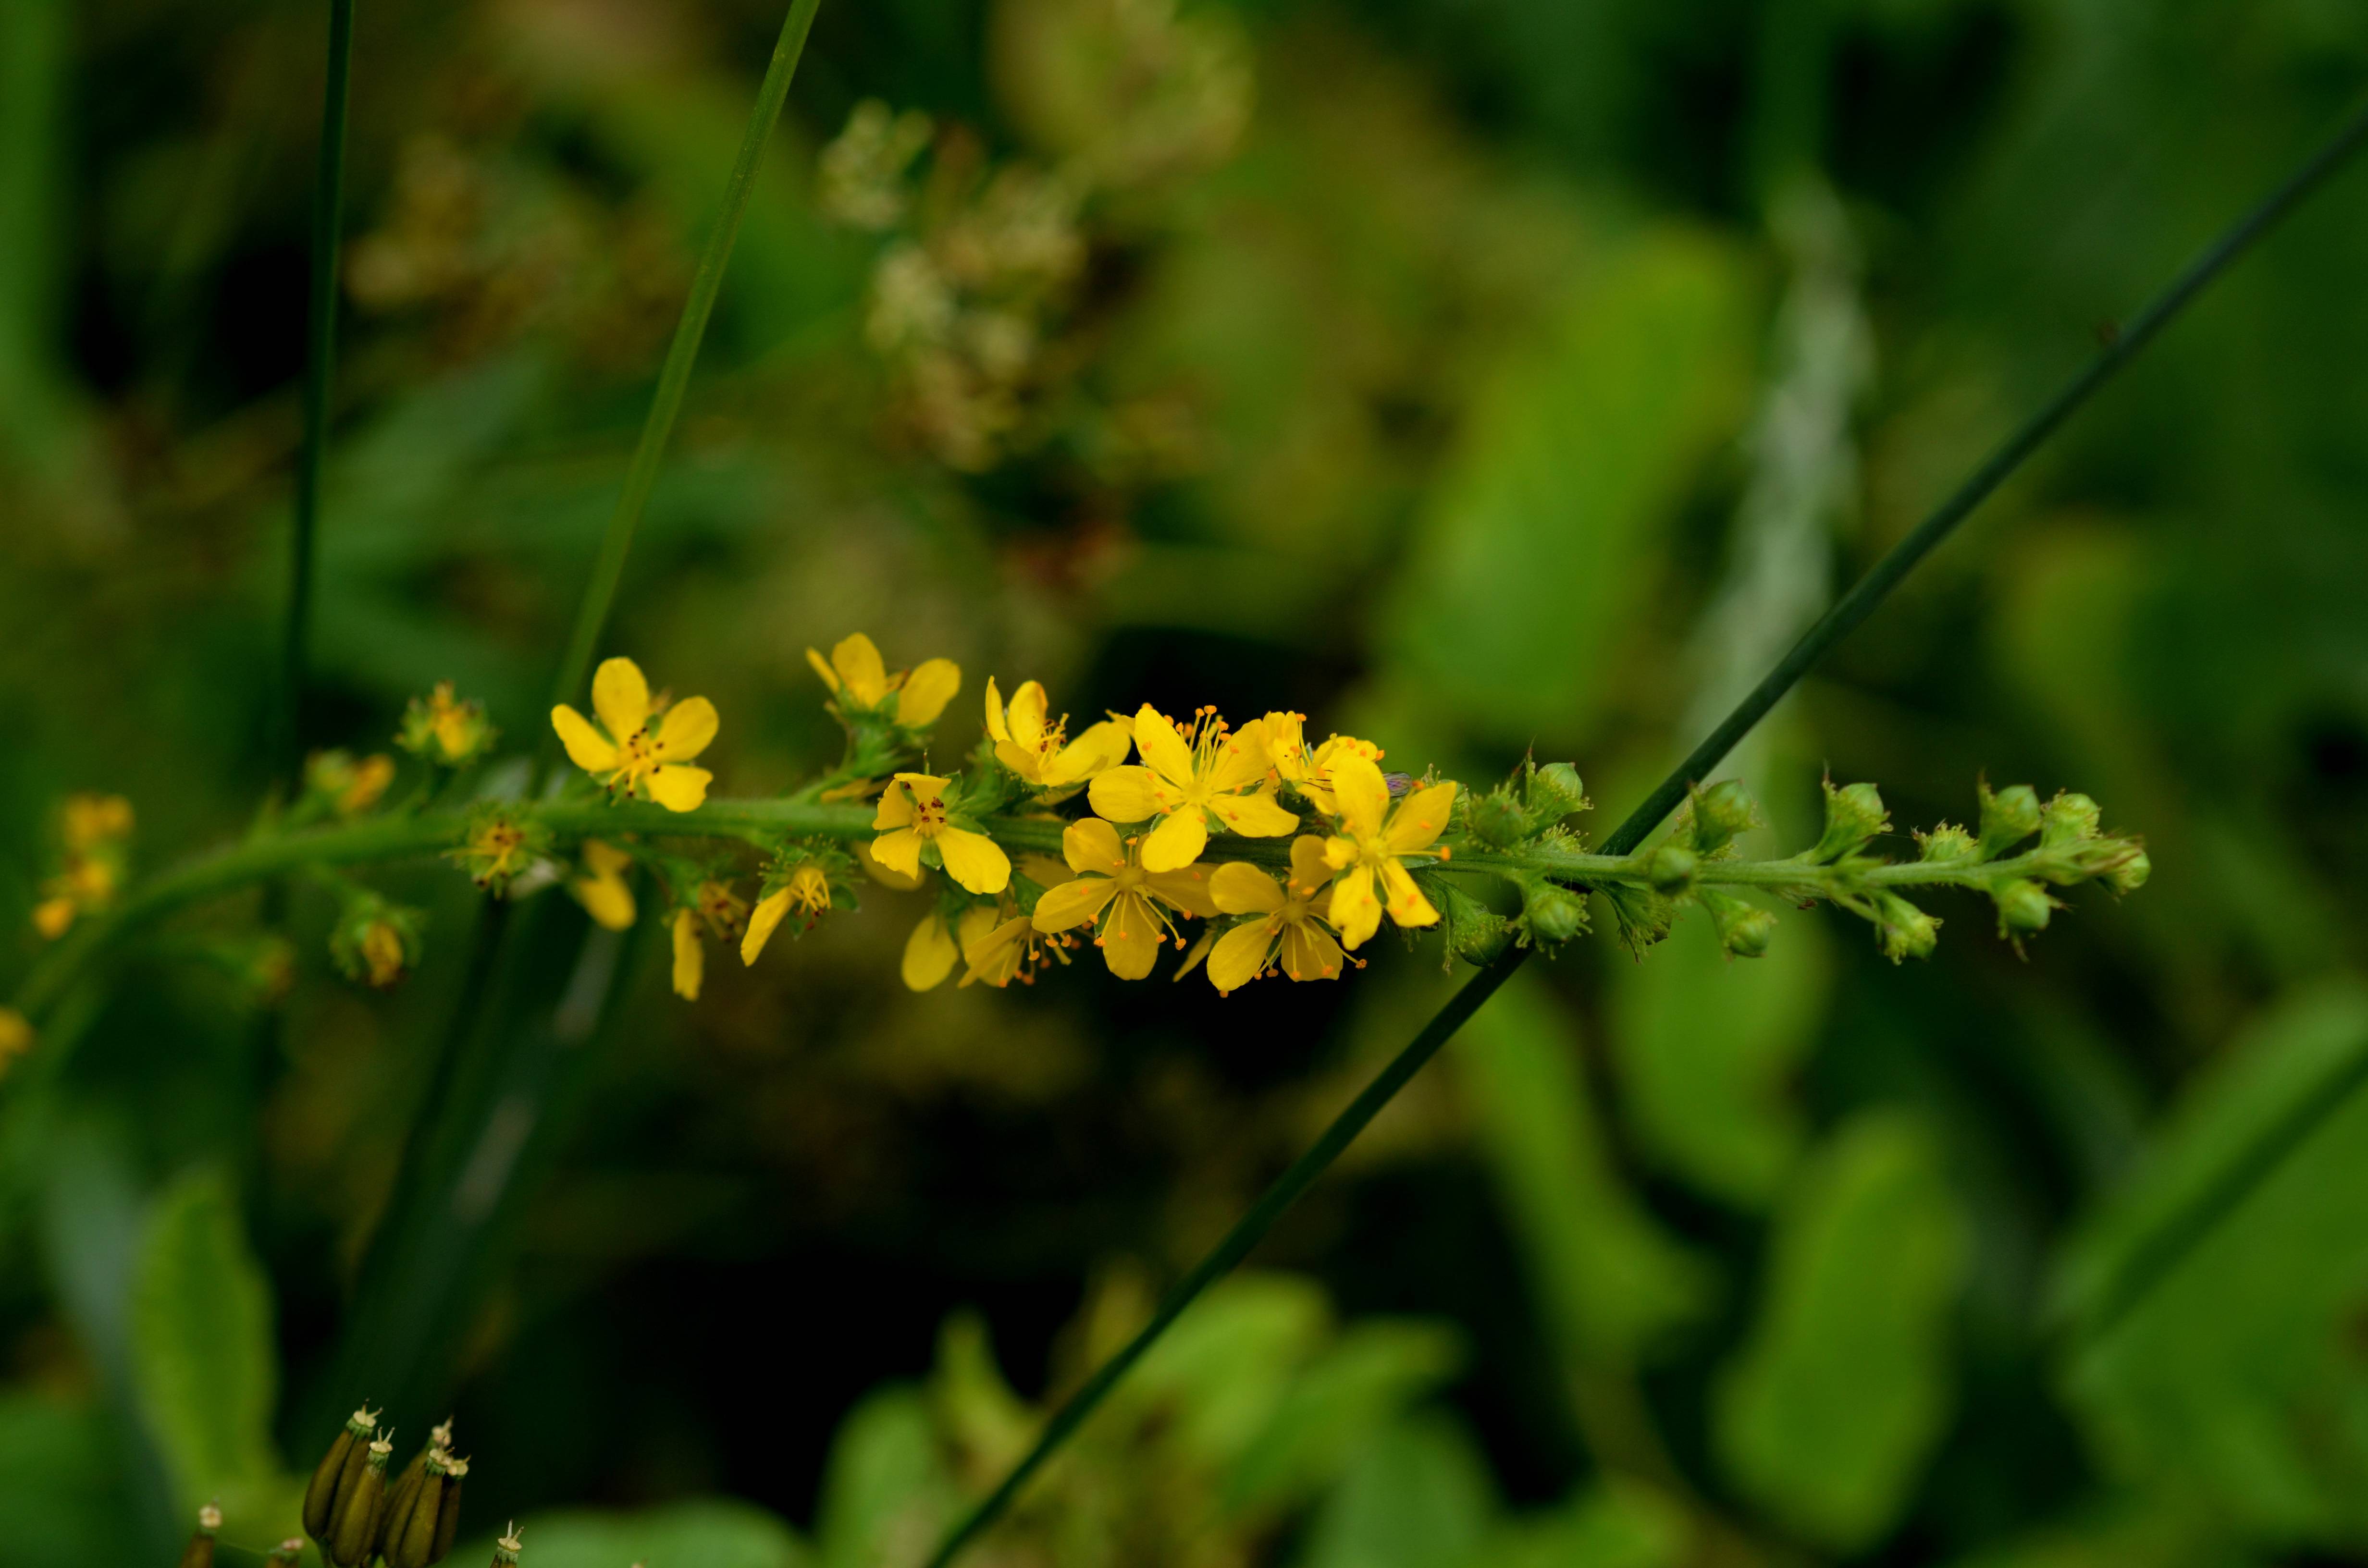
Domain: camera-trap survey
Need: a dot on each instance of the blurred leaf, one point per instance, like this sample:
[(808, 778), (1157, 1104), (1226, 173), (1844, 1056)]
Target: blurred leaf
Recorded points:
[(1417, 1497), (1539, 548), (204, 1364), (1231, 1361), (2158, 1532), (2237, 1373), (1611, 1281), (1331, 1409), (1706, 1048), (61, 1503), (1616, 1524), (1827, 1416), (705, 1533), (885, 1483)]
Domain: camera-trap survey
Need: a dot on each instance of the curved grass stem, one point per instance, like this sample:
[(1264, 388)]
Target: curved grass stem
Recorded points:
[(1837, 622)]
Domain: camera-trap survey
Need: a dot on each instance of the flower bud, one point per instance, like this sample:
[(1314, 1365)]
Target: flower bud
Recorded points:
[(448, 1515), (361, 1509), (2131, 874), (1499, 820), (410, 1537), (2068, 819), (339, 1468), (1553, 912), (287, 1553), (1671, 868), (1719, 812), (1944, 844), (1903, 930), (445, 730), (2022, 906), (2008, 817), (1744, 928), (507, 1549), (1554, 793), (1854, 814), (1474, 933), (199, 1552)]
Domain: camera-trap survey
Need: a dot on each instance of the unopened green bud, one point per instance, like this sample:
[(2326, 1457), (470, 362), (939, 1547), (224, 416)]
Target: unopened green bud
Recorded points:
[(199, 1552), (1671, 868), (1854, 814), (1945, 843), (2009, 816), (1903, 930), (1719, 812), (1744, 930), (448, 1516), (338, 1469), (445, 728), (2068, 819), (1555, 792), (2022, 906), (2131, 874), (353, 1533), (1474, 933), (409, 1537), (1499, 820), (1554, 913)]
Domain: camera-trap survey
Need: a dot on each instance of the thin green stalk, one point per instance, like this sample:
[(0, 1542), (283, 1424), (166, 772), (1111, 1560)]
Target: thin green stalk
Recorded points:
[(674, 378), (1836, 623), (320, 359)]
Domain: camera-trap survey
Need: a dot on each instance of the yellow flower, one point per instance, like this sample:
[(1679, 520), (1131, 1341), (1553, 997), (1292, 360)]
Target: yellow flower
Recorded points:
[(724, 914), (808, 889), (1308, 770), (382, 950), (1112, 884), (1371, 852), (881, 874), (689, 957), (861, 681), (603, 891), (634, 759), (929, 954), (94, 828), (350, 787), (444, 727), (1295, 912), (1041, 753), (16, 1038), (92, 820), (913, 816), (1192, 782), (494, 853), (1000, 948)]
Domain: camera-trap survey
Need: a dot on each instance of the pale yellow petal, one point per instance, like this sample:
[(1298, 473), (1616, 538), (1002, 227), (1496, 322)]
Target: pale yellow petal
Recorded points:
[(1240, 954), (588, 748), (1310, 953), (1241, 888), (761, 922), (621, 697), (1309, 868), (689, 957), (1090, 844), (1242, 758), (929, 954), (895, 807), (1043, 870), (606, 860), (902, 882), (1073, 903), (859, 666), (1022, 760), (1339, 853), (1131, 938), (926, 691), (973, 861), (687, 729), (1361, 793), (1421, 819), (606, 899), (1356, 912), (1163, 749), (994, 727), (1196, 955), (900, 852), (1125, 794), (1175, 842), (1408, 906), (1029, 708), (822, 667), (680, 788), (1187, 890), (1253, 816), (1092, 754)]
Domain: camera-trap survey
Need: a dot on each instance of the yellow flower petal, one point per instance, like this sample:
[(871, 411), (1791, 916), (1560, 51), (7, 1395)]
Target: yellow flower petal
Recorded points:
[(1126, 794), (902, 882), (761, 922), (52, 917), (1028, 707), (996, 729), (899, 852), (929, 954), (1019, 759), (1175, 842), (689, 957), (687, 729), (1090, 844), (588, 748), (1240, 954), (1163, 749), (895, 806), (1309, 954), (1187, 890), (1356, 912), (1309, 869), (822, 667), (606, 899), (680, 788), (993, 950), (1241, 888), (973, 861), (1408, 906), (926, 691), (859, 666), (1043, 870), (1360, 792), (1253, 816), (606, 860), (1131, 938), (1421, 819), (1196, 955), (1096, 752), (621, 697), (1073, 903), (1242, 758)]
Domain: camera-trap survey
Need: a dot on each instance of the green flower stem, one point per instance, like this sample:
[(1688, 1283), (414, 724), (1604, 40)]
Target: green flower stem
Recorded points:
[(674, 378)]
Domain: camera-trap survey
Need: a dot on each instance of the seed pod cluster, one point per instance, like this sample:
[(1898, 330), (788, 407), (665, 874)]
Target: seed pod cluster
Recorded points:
[(360, 1515)]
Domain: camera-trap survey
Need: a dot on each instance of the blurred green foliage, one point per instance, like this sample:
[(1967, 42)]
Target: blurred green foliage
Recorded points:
[(1467, 375)]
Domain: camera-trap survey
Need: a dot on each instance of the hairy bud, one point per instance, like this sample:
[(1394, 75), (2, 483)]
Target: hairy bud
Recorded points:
[(2068, 819), (1555, 792), (1744, 930), (1499, 821), (2131, 874), (1945, 844), (1671, 868), (1903, 930), (1474, 933), (2022, 906), (1553, 912), (1854, 814), (1717, 814), (2009, 816)]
